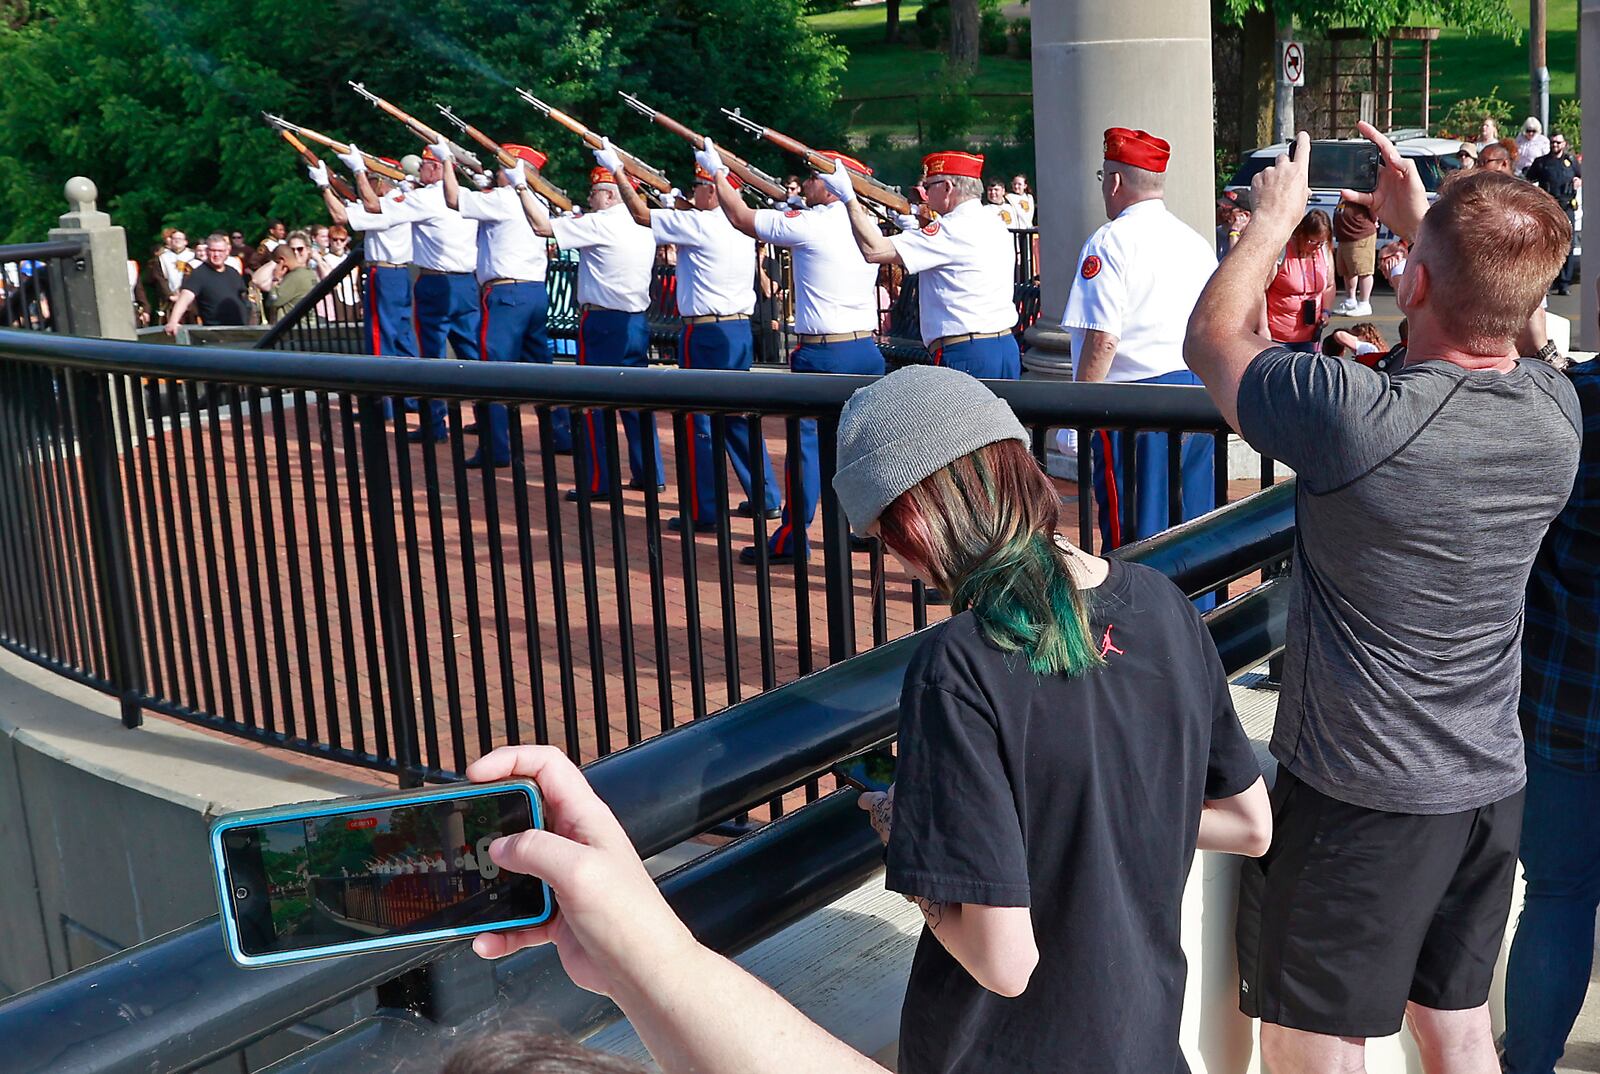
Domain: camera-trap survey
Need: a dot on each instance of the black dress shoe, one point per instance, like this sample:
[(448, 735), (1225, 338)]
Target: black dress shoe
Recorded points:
[(478, 462), (747, 556), (675, 524), (470, 427), (594, 497), (638, 486), (744, 510), (418, 436), (1562, 290)]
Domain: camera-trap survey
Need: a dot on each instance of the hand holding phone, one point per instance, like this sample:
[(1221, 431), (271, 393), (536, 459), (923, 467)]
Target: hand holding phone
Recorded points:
[(870, 771)]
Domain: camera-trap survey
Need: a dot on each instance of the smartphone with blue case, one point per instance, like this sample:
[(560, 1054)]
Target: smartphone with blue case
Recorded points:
[(319, 879)]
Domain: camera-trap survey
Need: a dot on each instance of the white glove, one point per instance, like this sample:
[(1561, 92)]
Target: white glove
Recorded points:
[(517, 174), (608, 158), (710, 160), (353, 160), (319, 174), (442, 150), (838, 182), (481, 180), (796, 202), (668, 199), (907, 222)]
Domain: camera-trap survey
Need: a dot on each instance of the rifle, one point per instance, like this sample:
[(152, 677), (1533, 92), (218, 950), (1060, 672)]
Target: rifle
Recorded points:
[(754, 177), (336, 184), (630, 163), (465, 160), (866, 186), (551, 193), (374, 165)]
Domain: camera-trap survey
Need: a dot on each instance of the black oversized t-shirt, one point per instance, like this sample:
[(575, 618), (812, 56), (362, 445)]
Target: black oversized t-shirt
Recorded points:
[(1079, 798), (219, 294)]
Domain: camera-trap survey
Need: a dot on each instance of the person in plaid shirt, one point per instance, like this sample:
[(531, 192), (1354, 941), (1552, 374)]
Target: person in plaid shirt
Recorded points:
[(1548, 973)]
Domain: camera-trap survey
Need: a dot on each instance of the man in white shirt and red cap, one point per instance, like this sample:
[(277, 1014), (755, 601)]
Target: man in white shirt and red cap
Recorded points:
[(513, 301), (615, 260), (964, 261), (835, 293), (716, 297), (1139, 277)]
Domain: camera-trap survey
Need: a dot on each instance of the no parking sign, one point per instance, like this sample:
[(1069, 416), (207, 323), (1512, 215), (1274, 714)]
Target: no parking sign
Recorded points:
[(1292, 64)]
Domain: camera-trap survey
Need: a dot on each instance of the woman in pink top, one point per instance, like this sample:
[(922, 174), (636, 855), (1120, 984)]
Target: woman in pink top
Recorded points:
[(1301, 291)]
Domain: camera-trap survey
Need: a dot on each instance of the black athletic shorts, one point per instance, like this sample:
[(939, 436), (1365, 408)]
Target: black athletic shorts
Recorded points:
[(1354, 911)]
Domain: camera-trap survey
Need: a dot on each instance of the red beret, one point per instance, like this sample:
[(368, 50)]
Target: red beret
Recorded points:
[(969, 165), (849, 160), (522, 152), (1138, 149), (705, 176), (603, 175)]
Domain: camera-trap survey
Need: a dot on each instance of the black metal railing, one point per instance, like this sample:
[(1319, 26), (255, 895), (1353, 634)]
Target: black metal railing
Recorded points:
[(264, 554), (177, 1002), (332, 318), (32, 285)]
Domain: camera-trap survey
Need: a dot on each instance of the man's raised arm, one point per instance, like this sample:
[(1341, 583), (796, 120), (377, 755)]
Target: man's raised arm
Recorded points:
[(737, 210), (609, 159), (877, 249)]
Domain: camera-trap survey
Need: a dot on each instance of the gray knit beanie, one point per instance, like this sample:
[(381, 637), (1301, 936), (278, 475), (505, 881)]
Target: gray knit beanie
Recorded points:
[(907, 425)]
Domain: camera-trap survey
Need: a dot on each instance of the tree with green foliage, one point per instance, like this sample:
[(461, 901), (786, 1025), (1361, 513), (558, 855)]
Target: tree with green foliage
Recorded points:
[(1378, 16), (159, 101)]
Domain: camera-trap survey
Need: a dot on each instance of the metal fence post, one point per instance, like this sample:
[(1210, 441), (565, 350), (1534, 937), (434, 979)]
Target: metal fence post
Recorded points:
[(108, 542), (837, 577), (391, 595)]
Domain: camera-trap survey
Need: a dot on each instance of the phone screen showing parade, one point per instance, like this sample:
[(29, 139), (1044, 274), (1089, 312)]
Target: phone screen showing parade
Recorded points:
[(353, 877)]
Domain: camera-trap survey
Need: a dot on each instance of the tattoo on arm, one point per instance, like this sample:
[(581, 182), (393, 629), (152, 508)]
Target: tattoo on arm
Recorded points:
[(883, 817), (932, 911)]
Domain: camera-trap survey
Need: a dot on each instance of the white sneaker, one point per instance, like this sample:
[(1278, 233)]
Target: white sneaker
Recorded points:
[(1361, 309), (1345, 307)]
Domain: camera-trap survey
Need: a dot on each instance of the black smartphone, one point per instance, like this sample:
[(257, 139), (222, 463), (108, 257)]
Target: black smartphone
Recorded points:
[(870, 771), (1308, 311), (1368, 161), (319, 879)]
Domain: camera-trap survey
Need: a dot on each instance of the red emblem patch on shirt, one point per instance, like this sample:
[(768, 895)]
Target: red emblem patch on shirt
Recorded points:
[(1091, 266), (792, 213), (931, 229)]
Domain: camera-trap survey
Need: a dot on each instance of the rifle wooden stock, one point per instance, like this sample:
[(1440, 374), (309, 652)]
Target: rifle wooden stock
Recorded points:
[(336, 184), (630, 163), (374, 165), (736, 164), (540, 184), (866, 186)]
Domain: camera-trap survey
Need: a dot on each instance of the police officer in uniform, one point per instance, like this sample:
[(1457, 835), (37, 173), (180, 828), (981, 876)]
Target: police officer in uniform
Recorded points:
[(1560, 176), (964, 264), (716, 297), (512, 303), (835, 293), (615, 259), (445, 296), (1138, 279)]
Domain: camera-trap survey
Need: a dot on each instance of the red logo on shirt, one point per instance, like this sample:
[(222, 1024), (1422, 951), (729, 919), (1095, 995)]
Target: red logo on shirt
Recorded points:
[(1107, 647), (931, 229), (1091, 267), (792, 213)]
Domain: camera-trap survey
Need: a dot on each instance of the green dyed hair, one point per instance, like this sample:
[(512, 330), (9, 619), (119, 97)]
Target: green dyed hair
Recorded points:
[(984, 530)]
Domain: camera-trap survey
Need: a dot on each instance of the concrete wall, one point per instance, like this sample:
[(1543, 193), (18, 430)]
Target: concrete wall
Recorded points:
[(103, 830)]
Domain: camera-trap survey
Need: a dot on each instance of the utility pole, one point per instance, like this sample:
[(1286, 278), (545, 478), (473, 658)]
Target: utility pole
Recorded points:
[(1283, 100), (1539, 99)]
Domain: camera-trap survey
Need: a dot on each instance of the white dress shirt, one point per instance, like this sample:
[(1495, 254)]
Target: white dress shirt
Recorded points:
[(1138, 279), (442, 239), (508, 247), (615, 257), (385, 236), (835, 288), (965, 266), (716, 261)]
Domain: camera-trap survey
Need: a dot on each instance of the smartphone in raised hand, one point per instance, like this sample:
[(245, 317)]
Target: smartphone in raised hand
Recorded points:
[(870, 771), (320, 879)]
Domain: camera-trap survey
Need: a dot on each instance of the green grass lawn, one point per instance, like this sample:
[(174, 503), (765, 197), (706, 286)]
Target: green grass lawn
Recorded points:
[(1465, 66)]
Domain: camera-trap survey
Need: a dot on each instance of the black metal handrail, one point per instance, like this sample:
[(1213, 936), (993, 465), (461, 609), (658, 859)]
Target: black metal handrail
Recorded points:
[(41, 251), (195, 1006), (303, 315)]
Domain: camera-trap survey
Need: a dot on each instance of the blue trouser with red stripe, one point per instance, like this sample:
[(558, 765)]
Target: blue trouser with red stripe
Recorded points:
[(514, 329), (994, 358), (386, 309), (1197, 457), (445, 308), (851, 356), (612, 337), (722, 345)]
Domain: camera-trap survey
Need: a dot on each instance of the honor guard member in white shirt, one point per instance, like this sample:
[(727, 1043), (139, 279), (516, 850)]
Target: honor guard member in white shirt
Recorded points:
[(386, 253), (512, 300), (964, 262), (445, 297), (835, 311), (1138, 279), (716, 297), (615, 260)]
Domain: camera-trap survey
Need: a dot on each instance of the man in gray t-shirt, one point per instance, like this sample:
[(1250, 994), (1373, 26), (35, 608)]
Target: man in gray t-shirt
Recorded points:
[(1422, 497)]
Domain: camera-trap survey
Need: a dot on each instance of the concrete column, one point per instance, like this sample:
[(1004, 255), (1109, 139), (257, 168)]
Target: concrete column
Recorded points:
[(1119, 63), (96, 284), (1589, 94)]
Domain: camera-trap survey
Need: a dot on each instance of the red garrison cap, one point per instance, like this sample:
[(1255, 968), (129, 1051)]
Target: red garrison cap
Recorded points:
[(603, 175), (522, 152), (969, 165), (705, 176), (849, 160), (1138, 149), (427, 154), (390, 161)]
